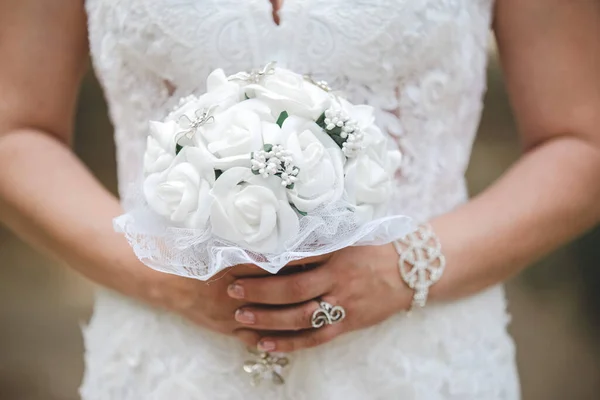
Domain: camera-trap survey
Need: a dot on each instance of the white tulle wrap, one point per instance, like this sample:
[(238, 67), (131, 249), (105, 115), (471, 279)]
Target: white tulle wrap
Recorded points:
[(265, 168)]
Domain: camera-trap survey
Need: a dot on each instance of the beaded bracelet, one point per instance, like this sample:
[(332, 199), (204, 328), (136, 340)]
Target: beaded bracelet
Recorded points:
[(421, 262)]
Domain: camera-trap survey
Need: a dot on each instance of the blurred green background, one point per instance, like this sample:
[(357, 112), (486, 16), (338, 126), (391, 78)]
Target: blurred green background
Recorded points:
[(554, 304)]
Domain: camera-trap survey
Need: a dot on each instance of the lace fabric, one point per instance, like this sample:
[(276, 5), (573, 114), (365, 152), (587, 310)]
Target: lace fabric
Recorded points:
[(421, 65), (191, 253)]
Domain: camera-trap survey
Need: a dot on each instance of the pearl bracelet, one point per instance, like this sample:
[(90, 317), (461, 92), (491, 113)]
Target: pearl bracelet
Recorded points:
[(421, 262)]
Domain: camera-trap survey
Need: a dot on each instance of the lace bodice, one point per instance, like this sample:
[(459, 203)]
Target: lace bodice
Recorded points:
[(421, 64)]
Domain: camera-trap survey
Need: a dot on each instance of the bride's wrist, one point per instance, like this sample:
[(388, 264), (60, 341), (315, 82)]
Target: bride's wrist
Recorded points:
[(401, 295), (455, 283), (127, 275)]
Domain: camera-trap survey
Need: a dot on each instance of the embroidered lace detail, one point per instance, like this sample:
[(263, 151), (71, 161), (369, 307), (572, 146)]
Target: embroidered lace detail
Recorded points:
[(421, 64)]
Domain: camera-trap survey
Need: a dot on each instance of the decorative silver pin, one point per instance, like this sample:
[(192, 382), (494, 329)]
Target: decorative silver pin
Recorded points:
[(189, 126), (320, 84), (265, 366), (256, 75)]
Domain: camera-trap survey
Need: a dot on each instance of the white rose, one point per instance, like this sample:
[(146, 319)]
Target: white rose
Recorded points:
[(349, 124), (252, 211), (377, 147), (182, 192), (287, 91), (363, 114), (160, 147), (235, 134), (220, 94), (319, 158), (370, 176)]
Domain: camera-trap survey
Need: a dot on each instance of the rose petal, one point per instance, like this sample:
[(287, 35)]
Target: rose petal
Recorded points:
[(250, 214), (271, 133), (288, 224), (222, 225), (320, 160), (188, 203), (200, 217), (363, 114), (267, 224), (150, 186), (156, 159), (164, 133), (230, 179), (216, 79)]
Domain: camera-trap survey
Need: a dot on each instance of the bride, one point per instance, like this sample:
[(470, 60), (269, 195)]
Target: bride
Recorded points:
[(421, 65)]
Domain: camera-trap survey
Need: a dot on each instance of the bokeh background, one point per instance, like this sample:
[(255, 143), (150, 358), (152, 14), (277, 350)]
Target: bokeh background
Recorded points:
[(555, 304)]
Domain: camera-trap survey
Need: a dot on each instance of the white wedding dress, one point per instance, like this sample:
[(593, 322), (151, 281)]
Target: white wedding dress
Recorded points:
[(421, 64)]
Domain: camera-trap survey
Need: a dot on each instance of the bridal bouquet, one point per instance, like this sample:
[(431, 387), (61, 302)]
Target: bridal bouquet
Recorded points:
[(266, 167)]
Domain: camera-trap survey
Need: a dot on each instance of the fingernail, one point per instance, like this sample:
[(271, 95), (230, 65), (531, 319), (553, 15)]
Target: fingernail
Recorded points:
[(244, 316), (236, 291), (266, 345)]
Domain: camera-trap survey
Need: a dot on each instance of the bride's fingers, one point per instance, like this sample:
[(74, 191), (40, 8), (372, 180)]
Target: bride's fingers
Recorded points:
[(284, 289), (243, 270), (249, 337), (288, 343), (292, 318)]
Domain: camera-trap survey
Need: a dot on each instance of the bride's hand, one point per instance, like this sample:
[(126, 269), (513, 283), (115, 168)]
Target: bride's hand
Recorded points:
[(200, 302), (365, 281), (203, 303)]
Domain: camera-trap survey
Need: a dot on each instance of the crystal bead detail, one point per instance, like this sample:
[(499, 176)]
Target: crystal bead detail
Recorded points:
[(421, 262)]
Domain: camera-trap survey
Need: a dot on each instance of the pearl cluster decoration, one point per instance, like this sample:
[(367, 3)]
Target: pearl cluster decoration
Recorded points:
[(338, 123), (421, 262), (275, 160)]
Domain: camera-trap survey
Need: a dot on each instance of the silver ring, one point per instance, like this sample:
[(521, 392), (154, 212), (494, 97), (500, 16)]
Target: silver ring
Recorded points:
[(327, 314)]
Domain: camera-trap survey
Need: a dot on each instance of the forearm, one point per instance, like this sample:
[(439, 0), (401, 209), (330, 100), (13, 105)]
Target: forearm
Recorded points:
[(49, 198), (549, 197)]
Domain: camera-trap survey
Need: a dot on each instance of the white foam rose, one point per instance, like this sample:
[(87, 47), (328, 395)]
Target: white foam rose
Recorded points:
[(287, 91), (160, 146), (235, 134), (319, 158), (252, 211), (182, 192), (370, 176), (363, 114)]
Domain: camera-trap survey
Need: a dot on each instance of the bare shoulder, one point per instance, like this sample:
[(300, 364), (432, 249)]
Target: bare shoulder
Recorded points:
[(43, 48)]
